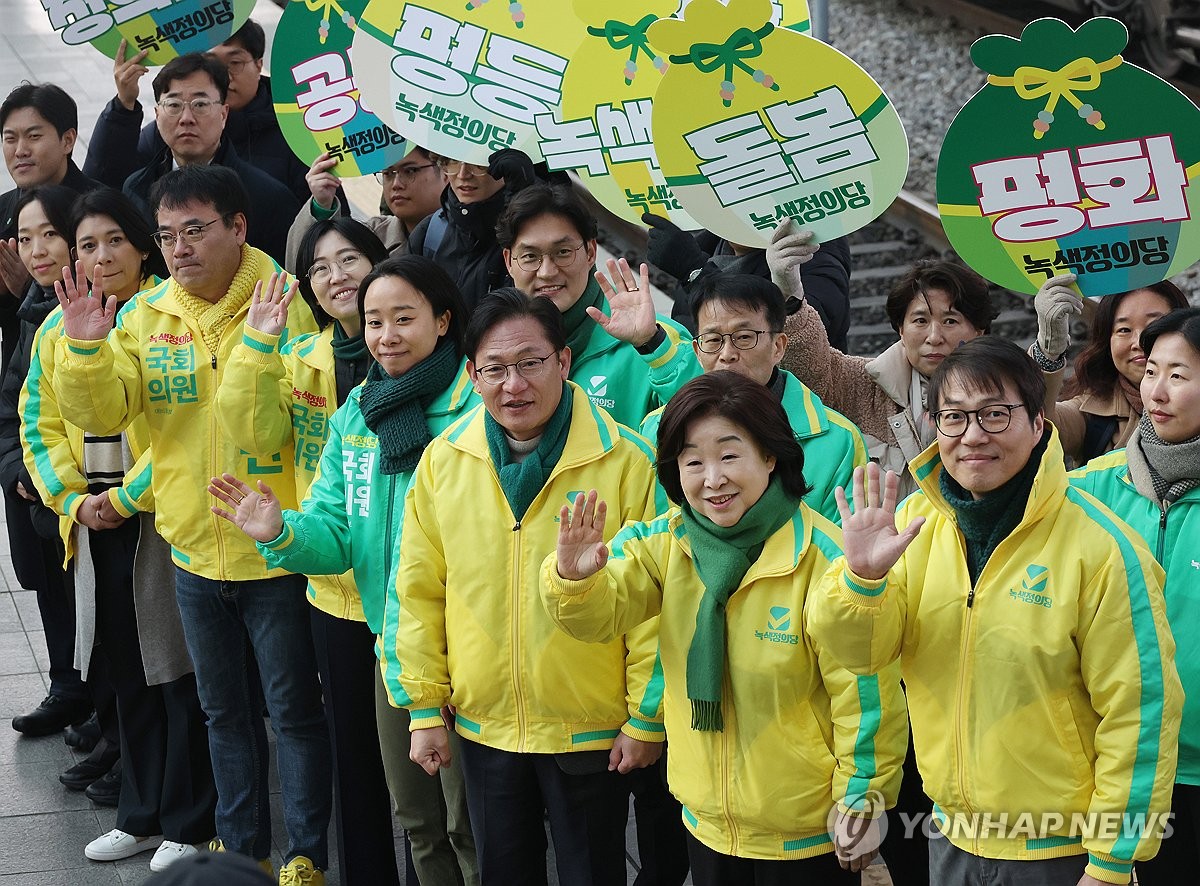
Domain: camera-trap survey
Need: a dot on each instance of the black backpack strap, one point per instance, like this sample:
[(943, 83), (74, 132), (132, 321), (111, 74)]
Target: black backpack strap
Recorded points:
[(1096, 436)]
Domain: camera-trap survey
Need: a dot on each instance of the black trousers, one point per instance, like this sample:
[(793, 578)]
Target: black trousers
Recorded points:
[(711, 868), (510, 795), (166, 777), (905, 847), (361, 804), (661, 836), (1179, 858)]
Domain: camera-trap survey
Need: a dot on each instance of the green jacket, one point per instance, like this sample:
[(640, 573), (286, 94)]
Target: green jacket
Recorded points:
[(833, 446), (628, 384), (353, 512), (1173, 536)]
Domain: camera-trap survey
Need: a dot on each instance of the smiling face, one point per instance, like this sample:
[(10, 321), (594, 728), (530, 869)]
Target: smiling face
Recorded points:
[(721, 318), (471, 187), (722, 470), (337, 291), (1135, 312), (982, 462), (1171, 388), (34, 152), (544, 235), (192, 138), (522, 406), (401, 328), (42, 248), (932, 329), (100, 241), (204, 268)]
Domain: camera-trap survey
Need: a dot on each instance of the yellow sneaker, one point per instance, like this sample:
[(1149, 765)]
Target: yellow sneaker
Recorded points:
[(300, 872), (216, 845)]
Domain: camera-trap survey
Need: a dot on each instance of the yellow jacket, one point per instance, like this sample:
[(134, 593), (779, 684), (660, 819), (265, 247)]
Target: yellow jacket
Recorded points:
[(464, 622), (801, 732), (1047, 689), (53, 447), (155, 364), (289, 395)]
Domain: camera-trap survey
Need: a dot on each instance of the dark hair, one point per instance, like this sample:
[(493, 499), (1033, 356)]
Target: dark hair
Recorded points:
[(746, 291), (251, 38), (49, 100), (1095, 372), (218, 186), (1185, 321), (985, 364), (742, 401), (967, 290), (55, 201), (186, 65), (544, 199), (360, 237), (131, 221), (510, 303), (428, 278)]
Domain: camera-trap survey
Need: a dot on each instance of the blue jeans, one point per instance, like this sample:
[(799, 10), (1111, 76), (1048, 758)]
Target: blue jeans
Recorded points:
[(229, 626)]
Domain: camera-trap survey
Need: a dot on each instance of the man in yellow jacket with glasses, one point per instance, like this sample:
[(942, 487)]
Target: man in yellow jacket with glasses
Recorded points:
[(165, 360), (1032, 636)]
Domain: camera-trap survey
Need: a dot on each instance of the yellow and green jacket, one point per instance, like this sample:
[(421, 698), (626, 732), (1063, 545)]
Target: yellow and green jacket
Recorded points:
[(155, 364), (833, 445), (801, 732), (464, 622), (353, 511), (1173, 534), (53, 447), (1045, 691), (288, 396)]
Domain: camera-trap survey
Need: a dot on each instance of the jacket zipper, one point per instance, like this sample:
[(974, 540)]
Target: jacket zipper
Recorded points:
[(213, 445), (1162, 530), (730, 824), (960, 694), (387, 557), (516, 637)]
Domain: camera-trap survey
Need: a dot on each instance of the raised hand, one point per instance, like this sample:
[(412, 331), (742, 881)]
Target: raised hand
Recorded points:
[(789, 249), (127, 73), (87, 315), (322, 183), (256, 513), (581, 548), (631, 306), (269, 305), (869, 537), (14, 276), (1056, 304), (671, 248)]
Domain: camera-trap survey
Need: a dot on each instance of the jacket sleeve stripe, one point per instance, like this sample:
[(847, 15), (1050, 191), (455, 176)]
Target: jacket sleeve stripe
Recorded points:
[(651, 704), (29, 423), (870, 712), (1145, 635)]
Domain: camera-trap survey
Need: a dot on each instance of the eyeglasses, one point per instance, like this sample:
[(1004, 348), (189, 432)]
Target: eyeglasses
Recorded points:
[(454, 167), (529, 368), (993, 418), (405, 173), (322, 271), (743, 340), (563, 257), (237, 65), (201, 107), (190, 234)]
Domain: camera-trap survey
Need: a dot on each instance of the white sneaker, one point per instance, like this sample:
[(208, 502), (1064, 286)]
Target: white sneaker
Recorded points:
[(169, 853), (117, 844)]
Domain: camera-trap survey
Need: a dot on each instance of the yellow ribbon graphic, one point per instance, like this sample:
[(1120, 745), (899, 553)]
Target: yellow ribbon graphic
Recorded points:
[(1081, 75)]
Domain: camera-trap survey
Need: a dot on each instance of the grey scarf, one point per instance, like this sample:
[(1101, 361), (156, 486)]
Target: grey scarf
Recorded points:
[(1162, 471)]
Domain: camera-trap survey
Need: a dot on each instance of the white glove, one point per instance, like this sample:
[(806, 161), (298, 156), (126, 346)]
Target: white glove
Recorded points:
[(789, 249), (1056, 305)]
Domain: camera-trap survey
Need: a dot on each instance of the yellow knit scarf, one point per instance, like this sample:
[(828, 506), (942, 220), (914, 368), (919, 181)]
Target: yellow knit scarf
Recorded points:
[(214, 317)]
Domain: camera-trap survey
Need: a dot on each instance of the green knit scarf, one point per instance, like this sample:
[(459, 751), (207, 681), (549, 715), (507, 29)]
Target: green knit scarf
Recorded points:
[(394, 408), (987, 521), (577, 323), (722, 556), (345, 347), (522, 482)]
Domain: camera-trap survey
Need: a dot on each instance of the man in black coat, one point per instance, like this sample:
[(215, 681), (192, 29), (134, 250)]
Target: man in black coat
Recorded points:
[(190, 110), (118, 148)]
